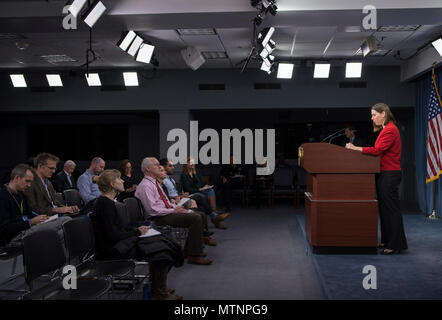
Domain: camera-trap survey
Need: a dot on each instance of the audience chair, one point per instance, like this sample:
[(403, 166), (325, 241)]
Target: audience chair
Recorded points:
[(283, 184), (134, 210), (80, 246), (42, 254), (59, 197), (73, 198), (125, 219), (300, 184), (7, 254), (252, 186)]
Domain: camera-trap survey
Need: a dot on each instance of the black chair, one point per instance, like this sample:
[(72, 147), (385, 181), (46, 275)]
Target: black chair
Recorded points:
[(42, 254), (283, 184), (6, 254), (258, 187), (72, 198), (300, 183), (134, 210), (80, 246), (59, 197)]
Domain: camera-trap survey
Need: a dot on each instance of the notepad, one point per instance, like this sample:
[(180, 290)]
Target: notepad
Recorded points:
[(54, 217), (151, 232), (183, 201)]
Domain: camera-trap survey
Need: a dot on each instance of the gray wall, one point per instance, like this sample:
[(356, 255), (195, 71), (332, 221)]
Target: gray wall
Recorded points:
[(178, 90)]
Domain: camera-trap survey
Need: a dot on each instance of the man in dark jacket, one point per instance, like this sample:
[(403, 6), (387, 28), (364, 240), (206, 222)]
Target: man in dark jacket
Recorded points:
[(64, 179), (16, 217)]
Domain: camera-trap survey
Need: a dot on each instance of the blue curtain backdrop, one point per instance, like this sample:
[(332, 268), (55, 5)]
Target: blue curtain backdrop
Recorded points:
[(425, 191)]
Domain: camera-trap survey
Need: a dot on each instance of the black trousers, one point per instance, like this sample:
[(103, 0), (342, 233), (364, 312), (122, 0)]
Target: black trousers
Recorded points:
[(392, 227)]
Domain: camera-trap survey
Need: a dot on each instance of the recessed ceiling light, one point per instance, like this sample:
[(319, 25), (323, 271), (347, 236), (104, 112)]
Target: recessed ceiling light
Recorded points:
[(54, 80), (322, 71), (210, 55), (353, 70), (285, 70), (130, 79), (438, 45), (196, 32), (18, 81), (93, 79), (398, 28)]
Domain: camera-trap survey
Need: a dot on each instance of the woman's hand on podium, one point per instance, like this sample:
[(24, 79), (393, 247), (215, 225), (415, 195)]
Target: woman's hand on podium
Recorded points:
[(352, 147)]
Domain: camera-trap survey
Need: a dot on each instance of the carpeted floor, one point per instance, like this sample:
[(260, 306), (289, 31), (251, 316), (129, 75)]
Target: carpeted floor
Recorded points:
[(414, 274), (262, 255)]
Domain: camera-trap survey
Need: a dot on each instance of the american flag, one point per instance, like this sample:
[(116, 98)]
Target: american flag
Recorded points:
[(434, 145)]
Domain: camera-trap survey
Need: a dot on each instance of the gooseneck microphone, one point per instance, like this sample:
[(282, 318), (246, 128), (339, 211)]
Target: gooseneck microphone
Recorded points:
[(333, 135)]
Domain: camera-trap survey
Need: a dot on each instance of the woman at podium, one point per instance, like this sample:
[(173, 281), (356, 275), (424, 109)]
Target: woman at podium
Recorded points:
[(388, 148)]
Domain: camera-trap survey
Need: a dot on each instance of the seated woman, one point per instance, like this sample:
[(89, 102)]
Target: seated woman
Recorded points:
[(113, 241), (194, 185), (129, 183)]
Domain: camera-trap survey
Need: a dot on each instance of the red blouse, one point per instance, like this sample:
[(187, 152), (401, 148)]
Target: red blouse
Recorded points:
[(388, 146)]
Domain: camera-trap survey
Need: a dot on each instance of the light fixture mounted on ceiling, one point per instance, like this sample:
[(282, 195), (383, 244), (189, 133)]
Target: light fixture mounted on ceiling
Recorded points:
[(137, 47)]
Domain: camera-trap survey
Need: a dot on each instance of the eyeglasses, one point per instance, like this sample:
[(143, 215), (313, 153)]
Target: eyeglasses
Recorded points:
[(51, 168)]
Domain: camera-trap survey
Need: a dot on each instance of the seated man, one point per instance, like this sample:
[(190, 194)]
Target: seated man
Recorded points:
[(202, 203), (41, 194), (88, 190), (64, 179), (231, 177), (16, 217), (157, 205)]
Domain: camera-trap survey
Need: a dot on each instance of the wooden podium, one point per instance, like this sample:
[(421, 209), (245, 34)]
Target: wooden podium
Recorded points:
[(340, 205)]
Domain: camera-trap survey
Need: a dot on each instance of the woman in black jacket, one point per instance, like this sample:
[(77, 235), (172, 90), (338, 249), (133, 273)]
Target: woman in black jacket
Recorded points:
[(113, 241)]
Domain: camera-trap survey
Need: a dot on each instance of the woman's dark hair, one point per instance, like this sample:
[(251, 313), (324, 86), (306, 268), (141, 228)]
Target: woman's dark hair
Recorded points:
[(123, 165), (389, 117)]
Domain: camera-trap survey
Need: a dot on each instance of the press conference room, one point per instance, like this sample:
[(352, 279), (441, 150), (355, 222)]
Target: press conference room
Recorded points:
[(258, 150)]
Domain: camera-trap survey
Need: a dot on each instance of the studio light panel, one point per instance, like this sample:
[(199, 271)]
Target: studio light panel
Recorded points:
[(322, 71), (18, 80), (353, 70), (94, 13), (54, 80)]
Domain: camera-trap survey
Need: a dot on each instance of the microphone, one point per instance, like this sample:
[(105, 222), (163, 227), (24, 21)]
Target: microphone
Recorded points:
[(339, 131), (339, 135)]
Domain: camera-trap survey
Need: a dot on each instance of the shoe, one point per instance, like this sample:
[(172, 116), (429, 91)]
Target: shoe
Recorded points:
[(218, 220), (209, 241), (170, 290), (208, 233), (198, 260), (381, 245), (389, 251)]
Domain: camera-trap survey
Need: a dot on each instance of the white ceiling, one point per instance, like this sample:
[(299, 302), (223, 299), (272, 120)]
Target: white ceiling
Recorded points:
[(305, 30)]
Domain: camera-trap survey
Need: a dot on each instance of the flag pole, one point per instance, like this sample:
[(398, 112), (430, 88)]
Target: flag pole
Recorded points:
[(433, 215)]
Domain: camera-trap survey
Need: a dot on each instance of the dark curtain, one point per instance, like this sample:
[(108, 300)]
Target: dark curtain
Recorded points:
[(425, 191)]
